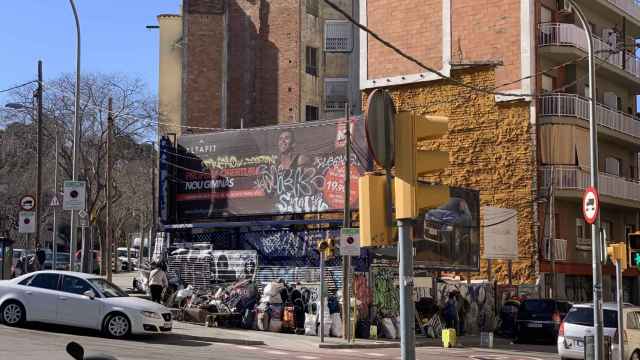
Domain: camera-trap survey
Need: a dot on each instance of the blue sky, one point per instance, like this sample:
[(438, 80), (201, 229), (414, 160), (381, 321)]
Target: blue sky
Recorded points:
[(114, 38)]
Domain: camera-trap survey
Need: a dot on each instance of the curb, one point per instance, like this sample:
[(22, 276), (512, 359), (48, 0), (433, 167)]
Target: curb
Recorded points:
[(237, 342), (385, 345)]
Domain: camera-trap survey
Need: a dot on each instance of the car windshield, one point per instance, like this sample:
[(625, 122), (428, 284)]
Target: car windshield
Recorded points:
[(584, 316), (538, 306), (107, 289)]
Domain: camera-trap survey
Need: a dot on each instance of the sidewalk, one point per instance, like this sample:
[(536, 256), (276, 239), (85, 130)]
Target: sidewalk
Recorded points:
[(298, 342)]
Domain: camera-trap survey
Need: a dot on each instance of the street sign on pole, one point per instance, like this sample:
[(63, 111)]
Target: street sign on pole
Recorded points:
[(350, 242), (83, 219), (590, 205), (27, 203), (74, 195), (26, 222), (54, 201)]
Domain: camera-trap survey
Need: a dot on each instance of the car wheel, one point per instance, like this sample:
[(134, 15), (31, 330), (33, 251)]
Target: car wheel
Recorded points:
[(117, 326), (13, 313)]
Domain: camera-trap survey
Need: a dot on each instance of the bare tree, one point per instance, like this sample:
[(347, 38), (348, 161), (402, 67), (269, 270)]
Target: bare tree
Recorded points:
[(134, 117)]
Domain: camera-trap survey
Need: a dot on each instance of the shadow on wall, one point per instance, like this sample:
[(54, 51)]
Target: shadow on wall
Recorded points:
[(253, 64)]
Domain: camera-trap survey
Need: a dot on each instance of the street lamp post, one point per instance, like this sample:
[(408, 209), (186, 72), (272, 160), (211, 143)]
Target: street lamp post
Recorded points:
[(76, 130), (595, 233)]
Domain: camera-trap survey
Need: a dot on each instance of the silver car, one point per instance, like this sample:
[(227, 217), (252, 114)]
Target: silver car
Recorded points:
[(579, 323)]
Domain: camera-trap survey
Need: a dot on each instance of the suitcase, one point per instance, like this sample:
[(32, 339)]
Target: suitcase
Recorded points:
[(449, 338)]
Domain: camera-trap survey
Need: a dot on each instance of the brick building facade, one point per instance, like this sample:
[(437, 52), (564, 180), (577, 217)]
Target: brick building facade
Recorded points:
[(541, 50), (247, 63)]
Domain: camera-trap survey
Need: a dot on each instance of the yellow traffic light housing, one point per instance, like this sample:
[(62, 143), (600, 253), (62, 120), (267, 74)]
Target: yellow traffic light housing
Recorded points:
[(618, 252), (633, 245), (411, 163), (373, 206), (327, 247)]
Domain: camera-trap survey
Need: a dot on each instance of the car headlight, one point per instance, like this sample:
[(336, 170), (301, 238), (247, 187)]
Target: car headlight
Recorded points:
[(151, 314)]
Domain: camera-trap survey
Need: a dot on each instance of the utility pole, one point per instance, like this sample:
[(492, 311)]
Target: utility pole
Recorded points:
[(152, 230), (141, 249), (76, 132), (346, 260), (552, 235), (55, 208), (39, 159), (108, 240)]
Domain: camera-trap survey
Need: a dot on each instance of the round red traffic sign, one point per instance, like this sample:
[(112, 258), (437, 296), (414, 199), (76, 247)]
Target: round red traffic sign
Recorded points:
[(27, 203), (590, 205)]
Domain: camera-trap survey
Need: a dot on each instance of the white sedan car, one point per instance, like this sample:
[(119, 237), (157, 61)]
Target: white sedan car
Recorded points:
[(81, 300)]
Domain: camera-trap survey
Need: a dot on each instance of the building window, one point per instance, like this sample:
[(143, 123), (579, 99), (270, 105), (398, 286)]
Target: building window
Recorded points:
[(313, 8), (336, 93), (337, 36), (312, 61), (547, 83), (311, 113), (612, 166)]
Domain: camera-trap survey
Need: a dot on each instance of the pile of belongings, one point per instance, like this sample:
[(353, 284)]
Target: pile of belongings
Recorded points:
[(232, 300)]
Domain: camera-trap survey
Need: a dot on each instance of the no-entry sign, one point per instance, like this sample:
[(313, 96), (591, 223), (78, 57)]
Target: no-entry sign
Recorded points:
[(590, 205)]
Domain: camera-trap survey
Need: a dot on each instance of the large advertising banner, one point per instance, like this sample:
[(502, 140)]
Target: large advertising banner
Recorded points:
[(271, 170), (448, 238)]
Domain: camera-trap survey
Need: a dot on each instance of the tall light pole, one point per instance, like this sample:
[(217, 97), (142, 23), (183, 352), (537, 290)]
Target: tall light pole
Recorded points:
[(596, 249), (76, 130)]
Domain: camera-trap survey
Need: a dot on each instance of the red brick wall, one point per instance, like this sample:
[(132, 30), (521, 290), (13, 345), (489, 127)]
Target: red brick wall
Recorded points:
[(263, 68), (202, 62), (488, 30), (414, 26)]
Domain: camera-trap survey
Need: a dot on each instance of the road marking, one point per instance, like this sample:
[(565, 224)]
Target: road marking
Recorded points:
[(307, 357), (347, 350), (374, 354), (273, 352), (247, 347)]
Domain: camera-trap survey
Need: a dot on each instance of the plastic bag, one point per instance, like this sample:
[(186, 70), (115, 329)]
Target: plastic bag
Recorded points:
[(310, 324), (336, 325), (388, 329)]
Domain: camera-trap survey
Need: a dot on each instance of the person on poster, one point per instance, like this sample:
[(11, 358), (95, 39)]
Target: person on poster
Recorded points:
[(288, 158)]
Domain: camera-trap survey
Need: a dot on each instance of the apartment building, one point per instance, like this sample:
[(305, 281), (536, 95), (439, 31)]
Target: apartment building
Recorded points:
[(540, 50), (244, 63), (563, 139)]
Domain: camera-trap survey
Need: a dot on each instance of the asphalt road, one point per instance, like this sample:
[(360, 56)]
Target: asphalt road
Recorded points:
[(37, 342)]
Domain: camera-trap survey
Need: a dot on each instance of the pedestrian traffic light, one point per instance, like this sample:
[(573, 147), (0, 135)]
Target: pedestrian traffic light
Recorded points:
[(633, 246), (411, 163), (618, 252), (375, 229)]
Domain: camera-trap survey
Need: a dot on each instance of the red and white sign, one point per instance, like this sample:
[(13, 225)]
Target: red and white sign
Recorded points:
[(590, 205), (27, 203)]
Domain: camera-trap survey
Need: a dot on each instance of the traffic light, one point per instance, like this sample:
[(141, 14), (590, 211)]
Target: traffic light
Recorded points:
[(618, 252), (633, 242), (374, 227), (327, 247), (411, 162)]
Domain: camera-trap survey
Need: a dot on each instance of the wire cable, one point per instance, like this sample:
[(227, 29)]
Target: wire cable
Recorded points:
[(18, 86)]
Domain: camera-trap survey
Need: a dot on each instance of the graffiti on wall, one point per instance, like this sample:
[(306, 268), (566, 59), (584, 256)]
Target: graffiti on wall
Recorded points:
[(475, 303), (386, 299)]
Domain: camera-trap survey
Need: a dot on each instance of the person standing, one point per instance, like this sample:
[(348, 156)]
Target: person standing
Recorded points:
[(157, 282), (450, 312)]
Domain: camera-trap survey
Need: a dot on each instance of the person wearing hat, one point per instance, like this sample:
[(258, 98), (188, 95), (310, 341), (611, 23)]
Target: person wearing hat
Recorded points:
[(157, 282)]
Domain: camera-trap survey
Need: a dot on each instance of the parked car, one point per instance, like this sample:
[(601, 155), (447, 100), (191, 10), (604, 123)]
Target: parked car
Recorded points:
[(539, 319), (123, 259), (81, 300), (62, 261), (579, 323)]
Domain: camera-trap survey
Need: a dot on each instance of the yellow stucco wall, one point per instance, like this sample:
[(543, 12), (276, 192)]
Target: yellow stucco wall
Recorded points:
[(170, 76), (491, 150)]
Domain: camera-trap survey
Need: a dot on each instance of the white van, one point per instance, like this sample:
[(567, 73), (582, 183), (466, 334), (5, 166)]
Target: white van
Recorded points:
[(579, 323)]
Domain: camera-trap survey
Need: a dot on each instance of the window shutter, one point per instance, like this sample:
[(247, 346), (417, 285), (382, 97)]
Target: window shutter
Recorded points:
[(337, 36), (336, 92)]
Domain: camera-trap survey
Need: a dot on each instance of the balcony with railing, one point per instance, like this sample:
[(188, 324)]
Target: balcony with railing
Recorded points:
[(561, 34), (575, 178), (630, 7), (572, 105)]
